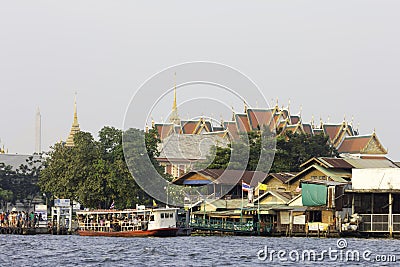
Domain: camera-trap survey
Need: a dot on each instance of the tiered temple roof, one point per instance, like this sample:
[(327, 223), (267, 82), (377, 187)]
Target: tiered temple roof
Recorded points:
[(342, 135)]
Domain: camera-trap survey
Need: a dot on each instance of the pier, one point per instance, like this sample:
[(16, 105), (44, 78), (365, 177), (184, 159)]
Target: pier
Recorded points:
[(23, 230), (205, 226)]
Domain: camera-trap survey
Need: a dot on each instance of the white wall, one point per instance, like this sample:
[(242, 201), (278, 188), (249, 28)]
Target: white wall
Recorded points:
[(381, 178)]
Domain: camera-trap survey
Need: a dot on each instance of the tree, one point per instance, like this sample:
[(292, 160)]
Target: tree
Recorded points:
[(94, 173), (290, 152)]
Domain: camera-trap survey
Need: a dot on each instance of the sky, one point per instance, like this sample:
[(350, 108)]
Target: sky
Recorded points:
[(334, 59)]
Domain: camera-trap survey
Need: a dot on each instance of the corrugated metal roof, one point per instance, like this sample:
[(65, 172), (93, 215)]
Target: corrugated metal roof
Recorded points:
[(231, 177), (371, 163), (336, 175)]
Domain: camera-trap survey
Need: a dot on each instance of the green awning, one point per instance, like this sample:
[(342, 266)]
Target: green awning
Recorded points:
[(313, 194)]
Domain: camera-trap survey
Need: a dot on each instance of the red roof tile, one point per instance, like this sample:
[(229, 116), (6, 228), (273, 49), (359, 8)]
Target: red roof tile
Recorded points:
[(332, 130), (260, 118), (164, 129), (188, 127), (354, 144), (242, 123)]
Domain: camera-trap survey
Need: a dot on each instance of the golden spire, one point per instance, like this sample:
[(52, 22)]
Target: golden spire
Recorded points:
[(174, 104), (75, 112), (174, 117), (74, 128)]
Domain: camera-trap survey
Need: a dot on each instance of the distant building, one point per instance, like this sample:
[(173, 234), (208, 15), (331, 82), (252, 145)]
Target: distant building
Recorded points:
[(16, 160)]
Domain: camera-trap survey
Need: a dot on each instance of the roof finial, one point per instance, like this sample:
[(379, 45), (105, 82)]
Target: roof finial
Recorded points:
[(75, 111), (312, 120), (352, 121), (321, 123), (221, 119), (174, 117), (174, 104), (152, 122), (277, 103), (245, 106), (233, 114)]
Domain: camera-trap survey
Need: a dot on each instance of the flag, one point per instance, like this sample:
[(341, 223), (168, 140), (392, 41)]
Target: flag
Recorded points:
[(112, 205), (245, 187), (262, 187), (154, 203)]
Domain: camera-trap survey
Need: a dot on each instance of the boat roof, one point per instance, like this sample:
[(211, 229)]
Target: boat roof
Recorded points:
[(108, 211)]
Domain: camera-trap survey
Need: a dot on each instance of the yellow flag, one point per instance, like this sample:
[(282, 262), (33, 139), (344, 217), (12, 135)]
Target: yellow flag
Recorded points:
[(262, 187), (154, 203)]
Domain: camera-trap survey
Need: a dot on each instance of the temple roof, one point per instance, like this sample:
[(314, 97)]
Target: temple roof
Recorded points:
[(164, 129), (242, 122), (189, 147), (362, 144), (260, 118)]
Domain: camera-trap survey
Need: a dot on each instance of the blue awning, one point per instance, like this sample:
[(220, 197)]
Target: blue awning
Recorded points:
[(196, 182)]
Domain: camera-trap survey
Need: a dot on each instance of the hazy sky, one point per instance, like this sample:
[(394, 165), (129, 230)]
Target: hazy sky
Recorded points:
[(334, 58)]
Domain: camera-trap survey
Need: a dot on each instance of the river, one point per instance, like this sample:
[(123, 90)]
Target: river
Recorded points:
[(49, 250)]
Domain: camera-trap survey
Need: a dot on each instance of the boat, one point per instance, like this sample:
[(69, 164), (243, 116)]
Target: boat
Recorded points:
[(139, 222)]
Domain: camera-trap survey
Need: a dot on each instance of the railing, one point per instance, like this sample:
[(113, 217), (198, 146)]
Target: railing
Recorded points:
[(107, 226), (379, 223), (229, 226)]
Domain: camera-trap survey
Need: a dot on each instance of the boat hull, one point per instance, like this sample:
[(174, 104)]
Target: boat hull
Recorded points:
[(164, 232)]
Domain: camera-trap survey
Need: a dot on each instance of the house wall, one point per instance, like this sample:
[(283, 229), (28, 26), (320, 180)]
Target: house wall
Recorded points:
[(327, 216), (379, 178), (312, 175), (275, 184), (271, 199)]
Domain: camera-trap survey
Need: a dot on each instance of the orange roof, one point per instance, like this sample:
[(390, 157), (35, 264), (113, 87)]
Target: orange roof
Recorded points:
[(354, 144), (307, 128), (231, 127), (164, 129), (294, 119), (259, 118), (332, 130), (242, 123), (189, 127)]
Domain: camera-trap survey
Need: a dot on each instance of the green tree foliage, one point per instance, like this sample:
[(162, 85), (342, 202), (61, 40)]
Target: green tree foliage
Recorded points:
[(94, 173), (294, 149), (291, 151)]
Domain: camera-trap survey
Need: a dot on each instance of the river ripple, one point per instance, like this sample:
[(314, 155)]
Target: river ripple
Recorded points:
[(48, 250)]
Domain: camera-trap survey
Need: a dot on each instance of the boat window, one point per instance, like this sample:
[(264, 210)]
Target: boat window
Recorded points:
[(171, 215), (166, 215), (162, 215), (151, 217)]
